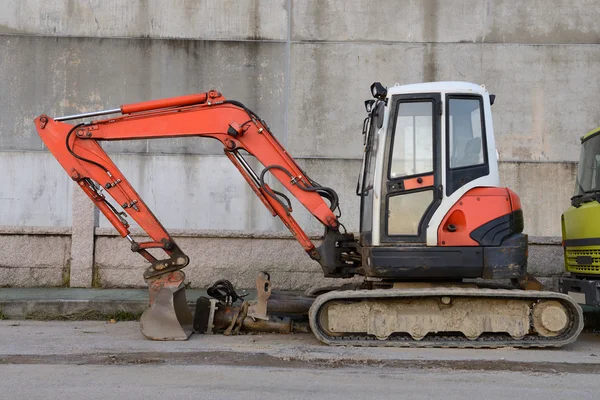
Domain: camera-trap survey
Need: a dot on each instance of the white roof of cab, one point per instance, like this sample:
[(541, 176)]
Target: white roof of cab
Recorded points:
[(433, 87)]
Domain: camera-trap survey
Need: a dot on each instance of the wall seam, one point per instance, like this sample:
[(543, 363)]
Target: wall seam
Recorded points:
[(287, 77), (288, 40)]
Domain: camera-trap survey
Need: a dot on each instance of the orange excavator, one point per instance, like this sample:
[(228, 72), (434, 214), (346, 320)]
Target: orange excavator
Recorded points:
[(434, 220)]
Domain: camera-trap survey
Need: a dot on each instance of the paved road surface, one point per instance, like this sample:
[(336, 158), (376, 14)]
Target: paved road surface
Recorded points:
[(68, 382), (95, 360)]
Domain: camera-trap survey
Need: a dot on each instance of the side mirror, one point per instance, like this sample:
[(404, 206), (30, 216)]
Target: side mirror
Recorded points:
[(492, 99), (369, 105)]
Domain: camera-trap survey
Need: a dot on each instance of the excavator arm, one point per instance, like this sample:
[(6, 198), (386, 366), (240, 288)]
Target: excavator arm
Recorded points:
[(240, 130)]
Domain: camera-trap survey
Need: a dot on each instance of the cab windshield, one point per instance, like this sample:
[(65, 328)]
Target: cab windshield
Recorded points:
[(588, 173)]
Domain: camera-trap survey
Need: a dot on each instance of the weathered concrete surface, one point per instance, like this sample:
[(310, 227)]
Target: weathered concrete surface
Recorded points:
[(48, 303), (303, 66), (35, 230), (546, 260), (72, 75), (34, 189), (225, 19), (72, 382), (229, 204), (214, 255), (545, 190), (236, 259), (52, 338), (490, 21), (540, 112), (34, 260), (211, 193), (85, 220), (239, 259)]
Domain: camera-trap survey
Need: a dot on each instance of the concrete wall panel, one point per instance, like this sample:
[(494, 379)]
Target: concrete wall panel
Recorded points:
[(208, 192), (545, 190), (541, 59), (239, 259), (328, 87), (540, 112), (61, 76), (236, 259), (546, 259), (211, 194), (543, 22), (491, 21), (34, 190), (34, 260), (223, 19)]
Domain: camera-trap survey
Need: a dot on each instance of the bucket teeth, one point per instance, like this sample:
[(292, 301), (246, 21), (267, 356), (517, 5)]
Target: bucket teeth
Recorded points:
[(169, 316)]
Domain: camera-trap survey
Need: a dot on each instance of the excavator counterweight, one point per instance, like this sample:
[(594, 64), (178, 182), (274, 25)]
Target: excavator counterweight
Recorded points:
[(434, 221)]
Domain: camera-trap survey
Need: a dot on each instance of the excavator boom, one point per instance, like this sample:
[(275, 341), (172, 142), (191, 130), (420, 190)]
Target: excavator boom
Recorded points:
[(77, 149)]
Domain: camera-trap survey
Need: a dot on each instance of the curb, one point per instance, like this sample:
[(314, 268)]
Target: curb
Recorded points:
[(72, 309)]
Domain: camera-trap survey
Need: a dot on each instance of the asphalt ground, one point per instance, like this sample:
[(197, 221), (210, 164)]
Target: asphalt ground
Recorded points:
[(103, 360), (121, 343)]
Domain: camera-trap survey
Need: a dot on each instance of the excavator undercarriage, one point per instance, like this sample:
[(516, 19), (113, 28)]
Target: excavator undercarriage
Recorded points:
[(428, 223), (446, 317)]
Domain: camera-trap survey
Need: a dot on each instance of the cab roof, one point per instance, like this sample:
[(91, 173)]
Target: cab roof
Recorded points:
[(590, 134), (446, 86)]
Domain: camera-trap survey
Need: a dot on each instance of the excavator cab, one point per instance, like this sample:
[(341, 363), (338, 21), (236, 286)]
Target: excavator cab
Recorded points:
[(431, 205)]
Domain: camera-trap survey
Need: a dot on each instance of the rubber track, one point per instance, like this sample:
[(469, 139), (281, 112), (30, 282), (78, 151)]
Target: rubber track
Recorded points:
[(446, 340)]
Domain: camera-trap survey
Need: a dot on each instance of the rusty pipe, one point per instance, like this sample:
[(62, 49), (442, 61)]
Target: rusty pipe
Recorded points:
[(224, 315), (289, 305)]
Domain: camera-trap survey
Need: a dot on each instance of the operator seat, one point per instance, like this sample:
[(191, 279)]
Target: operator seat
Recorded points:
[(473, 152)]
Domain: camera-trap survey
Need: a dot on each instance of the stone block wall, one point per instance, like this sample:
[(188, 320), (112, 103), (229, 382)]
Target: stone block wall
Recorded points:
[(305, 67)]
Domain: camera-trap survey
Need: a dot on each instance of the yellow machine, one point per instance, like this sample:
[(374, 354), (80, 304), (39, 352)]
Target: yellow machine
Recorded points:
[(581, 227)]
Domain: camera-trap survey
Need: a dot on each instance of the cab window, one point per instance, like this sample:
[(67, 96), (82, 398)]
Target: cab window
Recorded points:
[(465, 132), (412, 151)]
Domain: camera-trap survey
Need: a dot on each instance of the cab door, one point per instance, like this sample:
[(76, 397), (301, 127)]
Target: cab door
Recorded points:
[(366, 180), (412, 172)]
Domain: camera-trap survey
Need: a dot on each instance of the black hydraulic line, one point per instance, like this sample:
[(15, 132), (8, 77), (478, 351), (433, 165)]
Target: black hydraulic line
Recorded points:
[(91, 183), (250, 113), (119, 214), (325, 192), (79, 157), (274, 194), (287, 199), (223, 290)]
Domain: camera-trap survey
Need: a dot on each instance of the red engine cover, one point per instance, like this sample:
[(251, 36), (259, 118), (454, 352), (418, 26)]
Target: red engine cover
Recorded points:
[(475, 208)]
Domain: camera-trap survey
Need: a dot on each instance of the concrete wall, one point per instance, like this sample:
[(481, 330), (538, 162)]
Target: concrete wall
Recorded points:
[(34, 256), (305, 67)]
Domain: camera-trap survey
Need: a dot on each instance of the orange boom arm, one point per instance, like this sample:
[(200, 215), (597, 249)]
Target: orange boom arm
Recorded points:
[(208, 114)]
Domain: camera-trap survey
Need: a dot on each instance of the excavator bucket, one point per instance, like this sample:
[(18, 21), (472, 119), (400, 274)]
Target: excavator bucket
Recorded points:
[(169, 316)]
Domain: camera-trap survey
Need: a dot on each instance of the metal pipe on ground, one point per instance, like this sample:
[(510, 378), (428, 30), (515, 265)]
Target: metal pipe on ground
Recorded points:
[(224, 316), (289, 305)]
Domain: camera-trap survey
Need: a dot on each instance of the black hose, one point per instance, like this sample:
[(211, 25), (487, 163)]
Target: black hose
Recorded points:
[(88, 180), (223, 290), (78, 157), (324, 192), (250, 113)]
